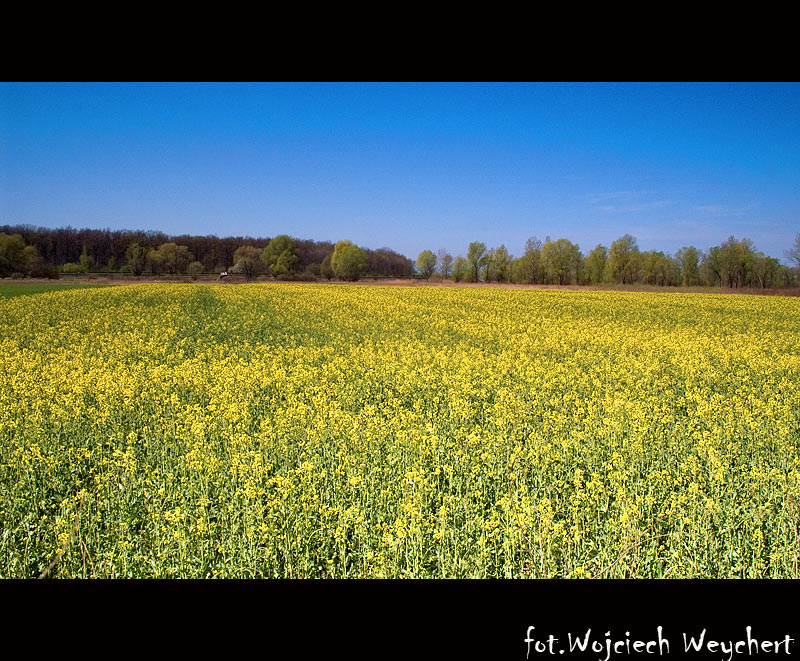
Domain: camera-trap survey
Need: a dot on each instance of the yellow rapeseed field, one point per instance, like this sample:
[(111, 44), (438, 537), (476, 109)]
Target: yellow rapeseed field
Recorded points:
[(319, 430)]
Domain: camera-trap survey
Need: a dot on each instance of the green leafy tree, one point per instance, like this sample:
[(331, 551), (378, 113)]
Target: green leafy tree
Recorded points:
[(711, 267), (337, 252), (529, 269), (737, 259), (136, 256), (688, 260), (195, 268), (348, 261), (766, 271), (86, 261), (20, 259), (787, 276), (325, 268), (654, 268), (426, 264), (673, 271), (153, 262), (311, 272), (624, 262), (11, 247), (280, 255), (248, 261), (477, 259), (72, 268), (174, 258), (581, 272), (32, 262), (284, 264), (461, 269), (499, 265), (561, 261), (518, 271), (596, 262)]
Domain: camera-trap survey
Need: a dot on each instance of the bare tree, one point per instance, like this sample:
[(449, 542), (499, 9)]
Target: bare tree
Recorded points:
[(445, 262), (794, 252)]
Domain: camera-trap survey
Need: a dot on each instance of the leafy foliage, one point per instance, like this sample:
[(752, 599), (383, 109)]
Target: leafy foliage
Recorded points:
[(426, 264), (477, 259), (280, 255), (348, 261), (248, 261)]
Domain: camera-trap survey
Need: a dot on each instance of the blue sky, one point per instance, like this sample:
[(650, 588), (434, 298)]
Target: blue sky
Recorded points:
[(409, 166)]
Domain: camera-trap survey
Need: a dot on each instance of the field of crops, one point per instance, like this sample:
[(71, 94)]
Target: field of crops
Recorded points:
[(318, 430), (23, 289)]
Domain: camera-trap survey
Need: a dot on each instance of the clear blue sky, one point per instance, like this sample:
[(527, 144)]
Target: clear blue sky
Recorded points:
[(409, 166)]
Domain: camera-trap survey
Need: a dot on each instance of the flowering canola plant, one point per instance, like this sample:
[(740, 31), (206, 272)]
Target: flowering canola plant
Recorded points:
[(319, 430)]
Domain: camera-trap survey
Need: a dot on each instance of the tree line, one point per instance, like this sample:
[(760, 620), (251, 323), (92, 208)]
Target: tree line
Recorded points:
[(43, 252), (734, 263)]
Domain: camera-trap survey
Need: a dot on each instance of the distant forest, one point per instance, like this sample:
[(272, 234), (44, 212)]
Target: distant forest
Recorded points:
[(109, 251), (26, 250)]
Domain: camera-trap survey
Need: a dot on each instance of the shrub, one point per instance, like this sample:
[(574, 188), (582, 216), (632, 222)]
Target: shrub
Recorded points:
[(194, 269)]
